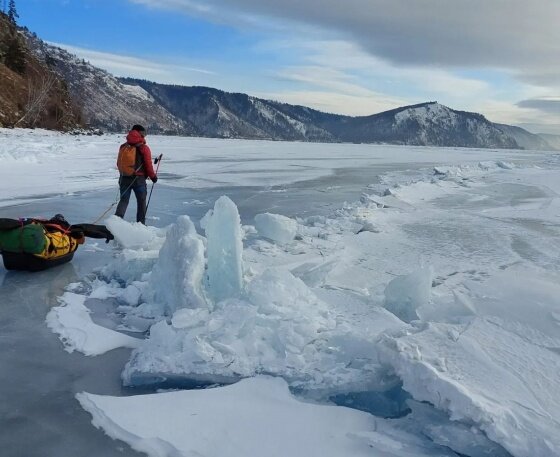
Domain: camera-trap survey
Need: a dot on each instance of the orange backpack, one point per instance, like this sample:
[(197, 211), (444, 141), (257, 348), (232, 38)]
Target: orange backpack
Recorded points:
[(129, 160)]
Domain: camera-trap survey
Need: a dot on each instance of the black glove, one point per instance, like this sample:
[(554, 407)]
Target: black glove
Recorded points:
[(154, 179)]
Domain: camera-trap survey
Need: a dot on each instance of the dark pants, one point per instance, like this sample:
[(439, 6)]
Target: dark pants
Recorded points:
[(127, 184)]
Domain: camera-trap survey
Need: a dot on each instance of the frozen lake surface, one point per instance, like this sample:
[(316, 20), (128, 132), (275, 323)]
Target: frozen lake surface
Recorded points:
[(422, 285), (38, 412)]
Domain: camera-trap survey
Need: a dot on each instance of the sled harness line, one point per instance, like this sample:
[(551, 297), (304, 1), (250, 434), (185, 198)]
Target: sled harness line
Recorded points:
[(118, 197), (116, 202), (119, 194)]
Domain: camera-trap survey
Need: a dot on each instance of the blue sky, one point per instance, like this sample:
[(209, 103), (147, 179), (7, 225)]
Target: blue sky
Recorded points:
[(355, 57)]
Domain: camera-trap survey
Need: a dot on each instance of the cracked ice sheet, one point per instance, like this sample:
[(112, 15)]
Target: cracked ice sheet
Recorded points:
[(252, 418), (498, 369), (526, 204)]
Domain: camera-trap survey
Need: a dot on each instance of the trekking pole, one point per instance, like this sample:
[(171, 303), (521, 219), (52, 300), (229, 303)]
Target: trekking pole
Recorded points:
[(158, 162), (119, 196)]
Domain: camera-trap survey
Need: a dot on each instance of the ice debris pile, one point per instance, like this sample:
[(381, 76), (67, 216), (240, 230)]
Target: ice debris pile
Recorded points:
[(216, 329)]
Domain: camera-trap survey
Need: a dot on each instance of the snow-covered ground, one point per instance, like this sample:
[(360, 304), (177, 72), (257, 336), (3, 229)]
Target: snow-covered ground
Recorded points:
[(429, 304)]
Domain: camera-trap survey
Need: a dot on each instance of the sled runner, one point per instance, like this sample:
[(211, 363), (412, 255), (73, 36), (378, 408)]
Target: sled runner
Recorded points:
[(38, 244)]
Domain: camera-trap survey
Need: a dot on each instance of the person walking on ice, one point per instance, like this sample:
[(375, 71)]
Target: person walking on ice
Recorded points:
[(135, 165)]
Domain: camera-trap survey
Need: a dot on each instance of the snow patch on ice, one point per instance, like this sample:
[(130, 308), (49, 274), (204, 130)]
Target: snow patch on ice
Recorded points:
[(72, 322)]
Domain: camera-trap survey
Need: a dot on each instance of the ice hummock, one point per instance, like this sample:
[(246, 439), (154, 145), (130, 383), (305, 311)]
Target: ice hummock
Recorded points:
[(275, 227), (130, 235), (405, 294), (275, 325), (243, 332), (225, 250), (176, 279), (279, 327)]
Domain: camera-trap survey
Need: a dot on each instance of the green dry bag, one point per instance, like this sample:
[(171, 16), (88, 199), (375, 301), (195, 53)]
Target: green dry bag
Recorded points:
[(29, 238)]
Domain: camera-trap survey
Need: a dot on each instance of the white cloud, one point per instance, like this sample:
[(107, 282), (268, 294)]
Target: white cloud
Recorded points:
[(337, 103), (326, 78), (360, 83), (122, 65), (515, 34), (347, 56)]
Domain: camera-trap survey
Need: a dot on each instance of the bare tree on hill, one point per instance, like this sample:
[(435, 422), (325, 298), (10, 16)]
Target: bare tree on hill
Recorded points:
[(38, 93)]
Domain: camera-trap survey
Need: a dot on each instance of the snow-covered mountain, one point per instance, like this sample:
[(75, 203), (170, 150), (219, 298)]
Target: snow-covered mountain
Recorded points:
[(433, 124), (105, 101), (114, 104), (526, 139), (429, 124), (551, 139), (216, 113)]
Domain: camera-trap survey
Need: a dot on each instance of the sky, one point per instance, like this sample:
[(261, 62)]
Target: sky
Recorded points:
[(500, 58)]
